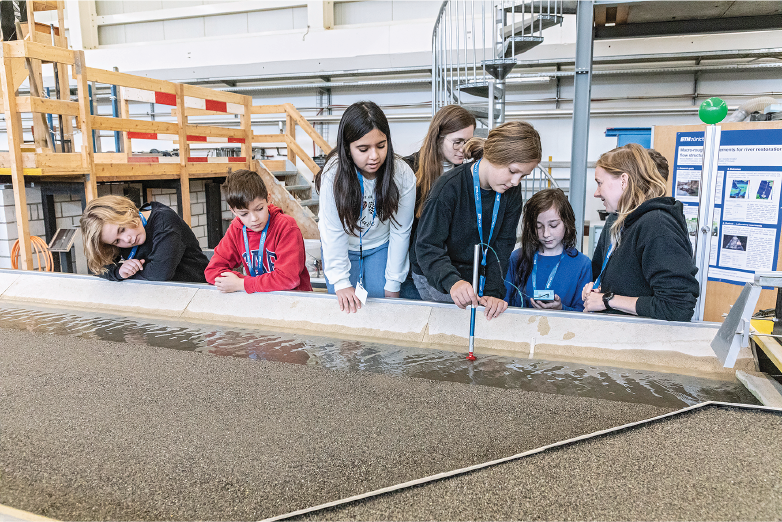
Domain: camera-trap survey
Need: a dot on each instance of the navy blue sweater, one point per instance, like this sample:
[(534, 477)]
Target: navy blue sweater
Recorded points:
[(569, 281)]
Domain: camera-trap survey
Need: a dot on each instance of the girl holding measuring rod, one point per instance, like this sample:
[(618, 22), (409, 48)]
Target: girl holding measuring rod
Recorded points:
[(475, 203)]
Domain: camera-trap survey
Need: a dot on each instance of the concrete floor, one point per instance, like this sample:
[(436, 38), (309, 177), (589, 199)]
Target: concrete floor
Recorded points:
[(94, 430), (713, 464)]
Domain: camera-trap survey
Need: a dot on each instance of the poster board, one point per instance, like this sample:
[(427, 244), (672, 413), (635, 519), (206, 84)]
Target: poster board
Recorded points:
[(720, 294)]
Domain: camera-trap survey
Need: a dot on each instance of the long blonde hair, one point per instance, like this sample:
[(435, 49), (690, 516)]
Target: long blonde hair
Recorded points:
[(644, 181), (449, 119), (116, 210), (511, 142)]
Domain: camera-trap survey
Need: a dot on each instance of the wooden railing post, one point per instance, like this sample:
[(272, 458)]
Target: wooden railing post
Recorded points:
[(85, 122), (13, 123), (290, 131), (184, 152), (247, 125)]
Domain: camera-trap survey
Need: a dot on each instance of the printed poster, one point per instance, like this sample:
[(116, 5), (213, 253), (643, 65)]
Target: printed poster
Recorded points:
[(746, 220)]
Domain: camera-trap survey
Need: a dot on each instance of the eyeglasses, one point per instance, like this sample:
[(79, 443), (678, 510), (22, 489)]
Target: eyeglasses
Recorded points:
[(457, 144)]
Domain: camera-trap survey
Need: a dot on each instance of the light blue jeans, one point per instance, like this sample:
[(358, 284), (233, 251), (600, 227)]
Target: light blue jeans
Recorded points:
[(374, 270)]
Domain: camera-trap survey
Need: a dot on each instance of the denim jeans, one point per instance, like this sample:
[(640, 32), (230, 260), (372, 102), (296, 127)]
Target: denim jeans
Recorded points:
[(374, 270)]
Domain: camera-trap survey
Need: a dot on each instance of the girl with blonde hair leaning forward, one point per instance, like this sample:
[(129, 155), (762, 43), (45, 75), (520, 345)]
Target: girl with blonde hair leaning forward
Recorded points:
[(152, 243), (478, 202), (648, 269)]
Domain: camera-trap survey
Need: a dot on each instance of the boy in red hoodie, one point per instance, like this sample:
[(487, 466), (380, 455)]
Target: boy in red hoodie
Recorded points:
[(264, 240)]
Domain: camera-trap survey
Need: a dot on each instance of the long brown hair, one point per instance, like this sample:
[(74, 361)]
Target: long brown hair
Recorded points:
[(541, 202), (644, 181), (511, 142), (450, 118)]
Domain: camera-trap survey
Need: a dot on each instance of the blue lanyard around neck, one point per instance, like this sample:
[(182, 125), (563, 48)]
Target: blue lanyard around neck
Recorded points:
[(360, 233), (605, 262), (479, 211), (133, 250), (250, 258), (550, 277)]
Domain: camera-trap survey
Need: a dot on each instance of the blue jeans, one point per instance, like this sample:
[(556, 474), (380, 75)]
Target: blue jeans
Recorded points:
[(374, 270)]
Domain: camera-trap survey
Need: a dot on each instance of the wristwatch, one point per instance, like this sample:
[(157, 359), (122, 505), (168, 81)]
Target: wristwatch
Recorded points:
[(607, 297)]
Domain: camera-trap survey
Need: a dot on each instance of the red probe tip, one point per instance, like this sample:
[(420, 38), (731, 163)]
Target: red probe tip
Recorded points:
[(471, 357)]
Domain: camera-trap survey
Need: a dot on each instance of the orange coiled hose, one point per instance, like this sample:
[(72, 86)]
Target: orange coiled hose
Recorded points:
[(40, 248)]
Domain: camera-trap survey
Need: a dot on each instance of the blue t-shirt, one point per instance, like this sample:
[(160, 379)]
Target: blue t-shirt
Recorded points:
[(572, 275)]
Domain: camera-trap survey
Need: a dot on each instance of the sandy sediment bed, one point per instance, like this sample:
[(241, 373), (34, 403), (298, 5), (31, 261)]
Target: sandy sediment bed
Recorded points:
[(94, 430), (710, 464)]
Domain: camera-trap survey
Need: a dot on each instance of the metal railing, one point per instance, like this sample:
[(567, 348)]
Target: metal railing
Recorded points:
[(474, 47)]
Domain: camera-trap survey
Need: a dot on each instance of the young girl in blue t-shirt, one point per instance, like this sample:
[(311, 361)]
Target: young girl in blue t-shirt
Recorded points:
[(548, 259)]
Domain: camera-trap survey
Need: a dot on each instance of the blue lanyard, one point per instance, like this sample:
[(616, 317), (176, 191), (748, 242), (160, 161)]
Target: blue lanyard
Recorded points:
[(550, 277), (360, 233), (605, 262), (133, 250), (479, 211), (250, 258)]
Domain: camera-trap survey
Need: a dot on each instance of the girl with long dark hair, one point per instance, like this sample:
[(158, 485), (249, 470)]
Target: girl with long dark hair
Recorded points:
[(367, 197), (548, 258)]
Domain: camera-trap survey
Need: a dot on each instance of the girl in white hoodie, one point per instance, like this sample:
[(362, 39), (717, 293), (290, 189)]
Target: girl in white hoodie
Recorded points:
[(367, 199)]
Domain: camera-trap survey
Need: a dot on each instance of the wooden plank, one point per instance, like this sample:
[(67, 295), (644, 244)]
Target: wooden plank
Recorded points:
[(13, 124), (39, 51), (269, 138), (307, 127), (294, 147), (59, 161), (211, 94), (7, 171), (138, 170), (198, 112), (290, 132), (124, 110), (62, 75), (130, 80), (719, 296), (42, 5), (771, 348), (85, 124), (46, 106), (274, 165), (268, 109), (184, 153), (111, 157), (212, 169), (287, 203), (127, 124), (214, 132), (247, 125)]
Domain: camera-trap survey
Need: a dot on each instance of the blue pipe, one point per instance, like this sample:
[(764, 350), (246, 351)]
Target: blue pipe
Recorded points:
[(50, 121), (92, 112), (115, 113)]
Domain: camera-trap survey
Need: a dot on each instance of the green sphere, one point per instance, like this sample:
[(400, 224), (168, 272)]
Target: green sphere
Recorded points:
[(713, 110)]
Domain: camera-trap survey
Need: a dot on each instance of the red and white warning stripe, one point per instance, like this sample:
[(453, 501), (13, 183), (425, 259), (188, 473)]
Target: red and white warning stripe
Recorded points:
[(163, 98), (191, 159), (174, 137)]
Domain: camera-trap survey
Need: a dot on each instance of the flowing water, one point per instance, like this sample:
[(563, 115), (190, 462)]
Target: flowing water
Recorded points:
[(565, 378)]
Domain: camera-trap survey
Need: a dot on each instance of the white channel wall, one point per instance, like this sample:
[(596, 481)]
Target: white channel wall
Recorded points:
[(613, 340)]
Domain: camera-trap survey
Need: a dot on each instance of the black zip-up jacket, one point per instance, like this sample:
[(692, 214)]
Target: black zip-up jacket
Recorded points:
[(448, 232), (654, 263), (170, 252)]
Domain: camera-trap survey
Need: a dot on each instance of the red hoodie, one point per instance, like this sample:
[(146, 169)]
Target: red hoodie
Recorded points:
[(283, 258)]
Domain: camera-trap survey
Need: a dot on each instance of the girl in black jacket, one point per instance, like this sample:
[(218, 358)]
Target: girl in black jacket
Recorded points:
[(647, 269), (449, 226), (151, 243)]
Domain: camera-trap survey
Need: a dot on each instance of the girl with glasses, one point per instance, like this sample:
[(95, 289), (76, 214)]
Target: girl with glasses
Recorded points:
[(442, 150)]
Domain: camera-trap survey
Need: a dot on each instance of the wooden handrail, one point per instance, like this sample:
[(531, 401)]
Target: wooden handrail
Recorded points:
[(129, 80), (47, 106), (307, 127), (39, 51)]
